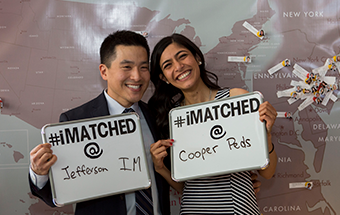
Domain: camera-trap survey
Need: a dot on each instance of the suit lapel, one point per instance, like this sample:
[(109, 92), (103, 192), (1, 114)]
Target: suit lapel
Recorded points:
[(100, 107), (149, 119)]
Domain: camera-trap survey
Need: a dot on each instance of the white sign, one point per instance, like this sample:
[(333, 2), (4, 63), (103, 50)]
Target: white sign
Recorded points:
[(218, 137), (97, 157)]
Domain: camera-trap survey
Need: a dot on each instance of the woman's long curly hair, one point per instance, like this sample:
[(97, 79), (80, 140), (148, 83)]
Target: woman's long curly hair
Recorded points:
[(166, 96)]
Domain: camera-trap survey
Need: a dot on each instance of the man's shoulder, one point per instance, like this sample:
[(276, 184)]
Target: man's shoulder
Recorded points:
[(93, 108), (143, 105), (145, 108)]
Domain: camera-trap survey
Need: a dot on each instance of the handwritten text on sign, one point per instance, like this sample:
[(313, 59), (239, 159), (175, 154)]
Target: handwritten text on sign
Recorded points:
[(208, 134), (90, 132)]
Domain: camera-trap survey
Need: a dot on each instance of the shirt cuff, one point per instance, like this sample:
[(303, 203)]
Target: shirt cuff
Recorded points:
[(38, 180)]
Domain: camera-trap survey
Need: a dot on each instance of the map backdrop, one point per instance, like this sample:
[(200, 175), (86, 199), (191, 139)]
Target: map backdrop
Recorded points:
[(49, 64)]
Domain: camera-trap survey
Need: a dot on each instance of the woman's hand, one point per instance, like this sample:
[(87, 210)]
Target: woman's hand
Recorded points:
[(158, 152), (267, 114)]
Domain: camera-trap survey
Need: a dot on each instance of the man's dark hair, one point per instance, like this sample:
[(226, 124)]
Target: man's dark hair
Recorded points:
[(126, 38)]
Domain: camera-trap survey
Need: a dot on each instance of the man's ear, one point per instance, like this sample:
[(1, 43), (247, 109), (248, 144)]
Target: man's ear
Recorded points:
[(103, 71)]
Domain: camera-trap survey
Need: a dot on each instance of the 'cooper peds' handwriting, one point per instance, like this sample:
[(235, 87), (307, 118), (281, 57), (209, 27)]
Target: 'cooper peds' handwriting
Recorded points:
[(245, 143), (184, 157)]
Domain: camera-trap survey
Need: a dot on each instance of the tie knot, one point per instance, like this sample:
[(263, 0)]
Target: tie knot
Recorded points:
[(128, 110)]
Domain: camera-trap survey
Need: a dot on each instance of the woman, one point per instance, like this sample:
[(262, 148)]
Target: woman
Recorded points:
[(180, 78)]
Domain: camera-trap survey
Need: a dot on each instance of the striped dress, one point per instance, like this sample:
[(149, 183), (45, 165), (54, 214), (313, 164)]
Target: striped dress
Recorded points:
[(224, 194)]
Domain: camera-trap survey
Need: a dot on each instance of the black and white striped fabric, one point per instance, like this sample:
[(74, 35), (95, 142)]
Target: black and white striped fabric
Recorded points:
[(225, 194)]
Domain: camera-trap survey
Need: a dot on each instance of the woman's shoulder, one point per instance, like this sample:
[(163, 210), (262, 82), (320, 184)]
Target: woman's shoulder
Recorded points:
[(237, 91)]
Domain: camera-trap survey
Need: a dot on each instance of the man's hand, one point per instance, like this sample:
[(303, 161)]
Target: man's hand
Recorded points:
[(42, 158)]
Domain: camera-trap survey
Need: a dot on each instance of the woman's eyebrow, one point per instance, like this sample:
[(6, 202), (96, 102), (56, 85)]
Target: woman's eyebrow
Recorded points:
[(176, 55)]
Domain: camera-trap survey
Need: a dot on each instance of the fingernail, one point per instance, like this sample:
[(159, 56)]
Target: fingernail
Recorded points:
[(172, 140), (170, 144)]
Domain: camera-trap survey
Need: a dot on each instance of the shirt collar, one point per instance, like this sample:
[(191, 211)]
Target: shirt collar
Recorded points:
[(115, 108)]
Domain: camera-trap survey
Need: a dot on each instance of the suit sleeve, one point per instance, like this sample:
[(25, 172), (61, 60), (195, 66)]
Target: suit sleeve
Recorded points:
[(63, 118), (45, 193)]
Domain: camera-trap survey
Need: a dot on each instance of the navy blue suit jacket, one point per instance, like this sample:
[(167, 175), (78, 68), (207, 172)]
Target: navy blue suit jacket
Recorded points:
[(114, 204)]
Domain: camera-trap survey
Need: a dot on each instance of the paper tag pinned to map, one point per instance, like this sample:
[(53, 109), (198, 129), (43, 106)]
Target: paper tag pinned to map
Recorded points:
[(329, 64), (300, 72), (302, 84), (285, 93), (326, 98), (308, 185), (143, 33), (245, 59), (252, 29), (308, 101), (287, 115), (279, 66)]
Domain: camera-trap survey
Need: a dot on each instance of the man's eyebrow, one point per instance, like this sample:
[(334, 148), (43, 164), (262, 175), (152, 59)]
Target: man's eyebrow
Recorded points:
[(132, 62), (126, 61)]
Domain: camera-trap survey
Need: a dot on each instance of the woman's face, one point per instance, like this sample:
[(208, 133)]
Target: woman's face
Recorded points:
[(180, 67)]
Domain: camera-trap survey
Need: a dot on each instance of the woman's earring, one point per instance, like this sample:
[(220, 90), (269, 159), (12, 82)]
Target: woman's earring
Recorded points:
[(199, 62), (167, 82)]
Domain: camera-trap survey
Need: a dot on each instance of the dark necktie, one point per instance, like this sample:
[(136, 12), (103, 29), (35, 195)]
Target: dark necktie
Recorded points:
[(128, 110), (144, 204)]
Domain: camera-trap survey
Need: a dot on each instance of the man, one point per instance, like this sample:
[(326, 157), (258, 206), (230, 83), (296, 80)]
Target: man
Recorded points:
[(125, 66)]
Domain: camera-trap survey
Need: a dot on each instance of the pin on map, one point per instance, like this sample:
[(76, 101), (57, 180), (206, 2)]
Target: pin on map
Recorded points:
[(245, 59), (300, 72), (252, 29), (323, 69), (337, 65), (312, 88), (285, 93), (1, 104), (279, 66), (287, 115), (294, 185), (327, 97), (143, 33), (292, 100), (308, 101), (329, 79), (336, 58), (302, 84)]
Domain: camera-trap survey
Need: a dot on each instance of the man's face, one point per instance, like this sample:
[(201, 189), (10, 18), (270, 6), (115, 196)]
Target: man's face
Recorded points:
[(128, 76)]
